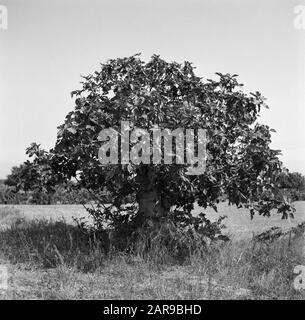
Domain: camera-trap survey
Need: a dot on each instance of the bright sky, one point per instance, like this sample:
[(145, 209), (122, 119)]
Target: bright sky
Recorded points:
[(49, 44)]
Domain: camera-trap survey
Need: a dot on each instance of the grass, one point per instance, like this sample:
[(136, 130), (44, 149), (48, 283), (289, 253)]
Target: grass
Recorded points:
[(53, 259), (238, 220), (8, 216)]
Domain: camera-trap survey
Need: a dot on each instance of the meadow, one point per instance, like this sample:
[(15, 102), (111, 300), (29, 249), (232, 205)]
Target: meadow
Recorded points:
[(48, 257), (238, 222)]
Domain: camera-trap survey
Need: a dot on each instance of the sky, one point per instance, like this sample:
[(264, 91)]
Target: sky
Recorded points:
[(48, 45)]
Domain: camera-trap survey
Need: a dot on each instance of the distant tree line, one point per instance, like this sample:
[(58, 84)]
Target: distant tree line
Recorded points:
[(291, 184)]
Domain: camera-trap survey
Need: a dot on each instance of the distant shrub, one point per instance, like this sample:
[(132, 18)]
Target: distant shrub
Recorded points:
[(297, 195), (9, 196)]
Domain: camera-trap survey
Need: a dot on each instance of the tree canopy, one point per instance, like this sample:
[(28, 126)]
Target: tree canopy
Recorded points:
[(241, 165)]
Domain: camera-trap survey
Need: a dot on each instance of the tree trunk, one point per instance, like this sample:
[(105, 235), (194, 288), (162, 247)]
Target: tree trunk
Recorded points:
[(151, 204)]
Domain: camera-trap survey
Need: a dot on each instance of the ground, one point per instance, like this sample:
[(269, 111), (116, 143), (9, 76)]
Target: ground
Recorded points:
[(238, 221), (238, 271)]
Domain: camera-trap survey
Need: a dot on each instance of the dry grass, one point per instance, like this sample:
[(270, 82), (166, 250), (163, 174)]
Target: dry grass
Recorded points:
[(8, 216), (238, 220), (54, 260)]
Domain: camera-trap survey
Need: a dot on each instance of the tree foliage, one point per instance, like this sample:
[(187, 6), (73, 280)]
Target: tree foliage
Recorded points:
[(240, 166), (291, 184), (291, 180), (22, 177), (35, 175)]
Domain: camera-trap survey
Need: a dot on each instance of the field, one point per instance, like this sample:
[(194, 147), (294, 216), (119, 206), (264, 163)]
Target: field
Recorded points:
[(238, 221), (47, 258)]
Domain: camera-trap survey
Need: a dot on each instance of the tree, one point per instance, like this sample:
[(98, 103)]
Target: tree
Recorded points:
[(22, 177), (46, 179), (291, 184), (291, 180), (36, 176), (240, 164)]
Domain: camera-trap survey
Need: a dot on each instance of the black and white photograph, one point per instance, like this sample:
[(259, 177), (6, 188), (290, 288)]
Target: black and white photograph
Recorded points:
[(152, 150)]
